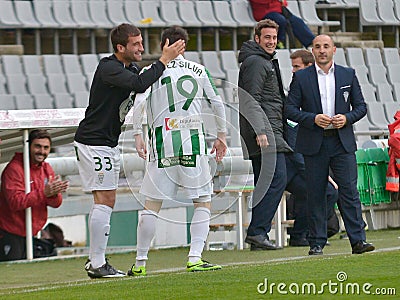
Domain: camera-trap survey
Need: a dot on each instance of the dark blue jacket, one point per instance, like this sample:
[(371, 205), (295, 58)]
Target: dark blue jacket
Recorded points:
[(304, 103)]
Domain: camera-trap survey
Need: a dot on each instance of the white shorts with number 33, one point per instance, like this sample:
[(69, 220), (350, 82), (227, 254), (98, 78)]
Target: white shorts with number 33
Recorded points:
[(98, 166)]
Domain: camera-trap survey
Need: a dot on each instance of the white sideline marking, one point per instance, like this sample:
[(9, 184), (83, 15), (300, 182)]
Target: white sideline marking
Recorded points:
[(87, 282)]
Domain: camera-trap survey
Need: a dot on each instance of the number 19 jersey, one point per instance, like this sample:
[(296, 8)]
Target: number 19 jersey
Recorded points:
[(174, 106)]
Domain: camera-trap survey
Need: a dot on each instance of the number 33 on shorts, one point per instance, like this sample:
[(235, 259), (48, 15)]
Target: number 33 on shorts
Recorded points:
[(100, 166)]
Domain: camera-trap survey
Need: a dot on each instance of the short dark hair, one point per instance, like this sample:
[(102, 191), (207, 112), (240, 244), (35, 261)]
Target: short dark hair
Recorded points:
[(121, 34), (38, 134), (267, 23), (306, 56), (174, 33)]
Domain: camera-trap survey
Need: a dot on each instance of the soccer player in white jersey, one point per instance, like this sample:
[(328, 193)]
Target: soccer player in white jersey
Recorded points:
[(177, 150)]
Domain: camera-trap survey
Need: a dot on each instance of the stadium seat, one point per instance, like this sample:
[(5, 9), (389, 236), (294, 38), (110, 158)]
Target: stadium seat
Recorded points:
[(387, 14), (286, 75), (393, 72), (229, 60), (369, 13), (373, 56), (12, 64), (116, 12), (390, 109), (81, 99), (241, 13), (193, 56), (377, 168), (362, 73), (397, 8), (355, 57), (293, 6), (384, 92), (63, 100), (169, 13), (205, 13), (133, 13), (340, 57), (211, 62), (89, 63), (43, 101), (62, 14), (32, 65), (98, 13), (16, 84), (24, 13), (376, 115), (391, 56), (368, 92), (361, 126), (2, 84), (36, 83), (187, 14), (52, 64), (223, 14), (80, 13), (230, 86), (352, 3), (7, 102), (396, 92), (150, 9), (310, 16), (71, 64), (377, 74), (283, 56), (43, 10), (8, 18), (89, 80), (24, 101), (232, 77), (369, 16), (56, 83), (76, 83)]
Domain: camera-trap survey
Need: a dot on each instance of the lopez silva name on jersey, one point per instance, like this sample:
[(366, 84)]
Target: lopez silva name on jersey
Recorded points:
[(185, 64)]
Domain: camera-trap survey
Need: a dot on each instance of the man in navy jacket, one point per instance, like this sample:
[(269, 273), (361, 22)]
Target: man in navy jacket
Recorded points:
[(326, 99)]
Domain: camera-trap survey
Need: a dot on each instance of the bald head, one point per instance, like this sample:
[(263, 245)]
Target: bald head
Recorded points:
[(323, 37), (323, 50)]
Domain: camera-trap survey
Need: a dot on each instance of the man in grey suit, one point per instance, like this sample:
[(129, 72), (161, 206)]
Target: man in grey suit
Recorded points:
[(326, 99)]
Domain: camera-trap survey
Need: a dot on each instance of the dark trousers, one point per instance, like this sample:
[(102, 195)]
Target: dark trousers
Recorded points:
[(12, 247), (300, 29), (344, 169), (298, 188), (270, 180)]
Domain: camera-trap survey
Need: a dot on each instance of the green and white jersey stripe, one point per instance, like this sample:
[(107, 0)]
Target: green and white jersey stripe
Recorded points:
[(174, 107)]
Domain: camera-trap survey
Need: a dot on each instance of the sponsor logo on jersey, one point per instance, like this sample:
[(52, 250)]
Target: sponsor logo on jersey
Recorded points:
[(193, 122), (184, 161)]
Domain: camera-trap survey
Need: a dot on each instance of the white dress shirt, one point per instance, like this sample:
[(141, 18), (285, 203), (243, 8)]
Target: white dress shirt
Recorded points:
[(326, 83)]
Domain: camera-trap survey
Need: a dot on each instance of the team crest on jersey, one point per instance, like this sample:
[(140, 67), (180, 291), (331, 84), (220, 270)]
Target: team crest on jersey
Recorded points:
[(193, 122), (125, 107), (100, 175)]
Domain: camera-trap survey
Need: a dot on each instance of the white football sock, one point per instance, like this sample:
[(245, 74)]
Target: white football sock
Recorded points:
[(146, 230), (199, 231), (99, 228), (89, 220)]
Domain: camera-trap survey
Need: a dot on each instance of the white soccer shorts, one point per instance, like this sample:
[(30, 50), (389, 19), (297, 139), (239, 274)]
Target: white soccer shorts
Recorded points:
[(163, 183), (98, 166)]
